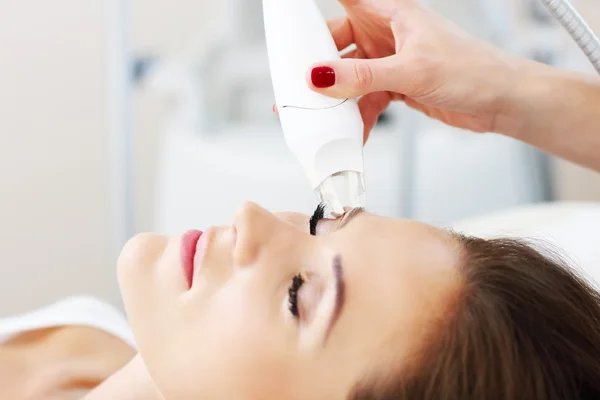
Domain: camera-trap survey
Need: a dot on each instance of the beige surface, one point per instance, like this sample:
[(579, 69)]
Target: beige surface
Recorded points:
[(55, 227)]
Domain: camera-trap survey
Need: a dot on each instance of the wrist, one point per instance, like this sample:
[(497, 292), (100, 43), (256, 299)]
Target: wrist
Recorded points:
[(495, 88), (515, 85), (529, 98)]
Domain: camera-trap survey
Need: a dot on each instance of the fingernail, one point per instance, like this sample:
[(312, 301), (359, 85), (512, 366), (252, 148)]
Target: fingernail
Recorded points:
[(323, 77)]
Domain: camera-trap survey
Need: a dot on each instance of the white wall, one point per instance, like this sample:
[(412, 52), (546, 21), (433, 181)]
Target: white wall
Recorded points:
[(56, 232), (55, 228)]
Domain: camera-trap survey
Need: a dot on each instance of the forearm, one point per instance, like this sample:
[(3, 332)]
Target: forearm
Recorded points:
[(554, 110)]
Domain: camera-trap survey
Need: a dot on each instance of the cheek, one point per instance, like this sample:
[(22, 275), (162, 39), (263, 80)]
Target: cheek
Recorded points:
[(242, 316), (229, 346)]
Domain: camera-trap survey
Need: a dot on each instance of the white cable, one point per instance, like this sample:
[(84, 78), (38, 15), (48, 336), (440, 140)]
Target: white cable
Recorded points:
[(579, 30)]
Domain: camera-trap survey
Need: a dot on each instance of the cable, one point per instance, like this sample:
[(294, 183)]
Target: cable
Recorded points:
[(579, 30)]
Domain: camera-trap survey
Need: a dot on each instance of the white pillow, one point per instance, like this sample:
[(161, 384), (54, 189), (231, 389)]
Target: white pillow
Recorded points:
[(571, 226)]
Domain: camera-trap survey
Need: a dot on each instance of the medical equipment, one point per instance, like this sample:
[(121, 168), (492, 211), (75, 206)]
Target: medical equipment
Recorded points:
[(583, 35), (325, 134)]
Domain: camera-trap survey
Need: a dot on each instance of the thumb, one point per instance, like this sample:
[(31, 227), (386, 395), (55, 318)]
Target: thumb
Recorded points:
[(352, 77)]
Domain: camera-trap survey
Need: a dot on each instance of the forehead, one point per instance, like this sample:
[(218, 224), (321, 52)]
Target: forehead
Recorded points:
[(398, 233), (395, 251), (400, 274), (401, 241)]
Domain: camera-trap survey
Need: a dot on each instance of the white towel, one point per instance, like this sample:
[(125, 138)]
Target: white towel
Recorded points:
[(71, 311)]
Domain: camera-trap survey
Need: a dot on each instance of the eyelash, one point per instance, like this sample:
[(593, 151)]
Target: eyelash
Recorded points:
[(297, 283), (298, 280), (318, 215)]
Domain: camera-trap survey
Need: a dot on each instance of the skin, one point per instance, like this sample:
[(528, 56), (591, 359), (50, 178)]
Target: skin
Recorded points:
[(60, 363), (554, 110), (131, 382), (231, 334)]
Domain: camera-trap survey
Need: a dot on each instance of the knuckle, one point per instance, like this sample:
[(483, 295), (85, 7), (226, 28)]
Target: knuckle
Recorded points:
[(363, 75)]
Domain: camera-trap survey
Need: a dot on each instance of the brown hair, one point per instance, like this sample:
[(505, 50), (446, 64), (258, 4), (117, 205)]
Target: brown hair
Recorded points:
[(526, 326)]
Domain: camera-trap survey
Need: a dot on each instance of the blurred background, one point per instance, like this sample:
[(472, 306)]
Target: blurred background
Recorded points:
[(92, 152)]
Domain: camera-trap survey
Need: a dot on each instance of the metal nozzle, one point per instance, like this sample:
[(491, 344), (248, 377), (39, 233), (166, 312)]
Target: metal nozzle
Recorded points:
[(342, 191)]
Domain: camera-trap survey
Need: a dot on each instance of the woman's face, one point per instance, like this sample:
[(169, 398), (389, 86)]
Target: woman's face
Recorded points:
[(273, 312)]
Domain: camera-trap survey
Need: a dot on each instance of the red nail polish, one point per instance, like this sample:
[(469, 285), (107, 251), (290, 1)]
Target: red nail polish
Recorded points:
[(323, 77)]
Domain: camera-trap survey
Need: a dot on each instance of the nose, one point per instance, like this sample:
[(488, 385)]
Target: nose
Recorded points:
[(298, 220), (256, 229)]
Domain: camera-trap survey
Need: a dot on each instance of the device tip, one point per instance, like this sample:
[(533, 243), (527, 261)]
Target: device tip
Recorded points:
[(342, 192)]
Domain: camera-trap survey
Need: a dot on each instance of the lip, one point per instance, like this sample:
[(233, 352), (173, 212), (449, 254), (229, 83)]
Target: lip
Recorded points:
[(189, 245)]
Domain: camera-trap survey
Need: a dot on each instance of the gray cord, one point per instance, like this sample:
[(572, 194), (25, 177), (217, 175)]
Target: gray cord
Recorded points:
[(579, 30)]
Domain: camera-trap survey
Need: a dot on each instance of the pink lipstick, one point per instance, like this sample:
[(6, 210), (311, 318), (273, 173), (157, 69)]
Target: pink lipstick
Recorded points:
[(189, 242)]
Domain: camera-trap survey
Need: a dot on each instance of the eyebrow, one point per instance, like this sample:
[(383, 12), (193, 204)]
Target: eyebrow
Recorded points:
[(340, 293), (338, 274)]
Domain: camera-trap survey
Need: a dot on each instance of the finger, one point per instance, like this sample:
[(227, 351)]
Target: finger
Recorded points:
[(371, 106), (351, 77), (275, 110), (342, 33), (356, 53)]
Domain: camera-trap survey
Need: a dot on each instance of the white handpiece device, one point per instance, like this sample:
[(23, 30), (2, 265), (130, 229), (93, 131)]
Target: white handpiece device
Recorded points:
[(324, 133)]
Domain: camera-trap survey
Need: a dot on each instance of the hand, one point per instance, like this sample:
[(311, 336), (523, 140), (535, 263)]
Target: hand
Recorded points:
[(407, 52)]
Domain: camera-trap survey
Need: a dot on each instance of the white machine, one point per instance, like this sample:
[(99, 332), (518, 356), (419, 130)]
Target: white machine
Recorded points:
[(324, 133)]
